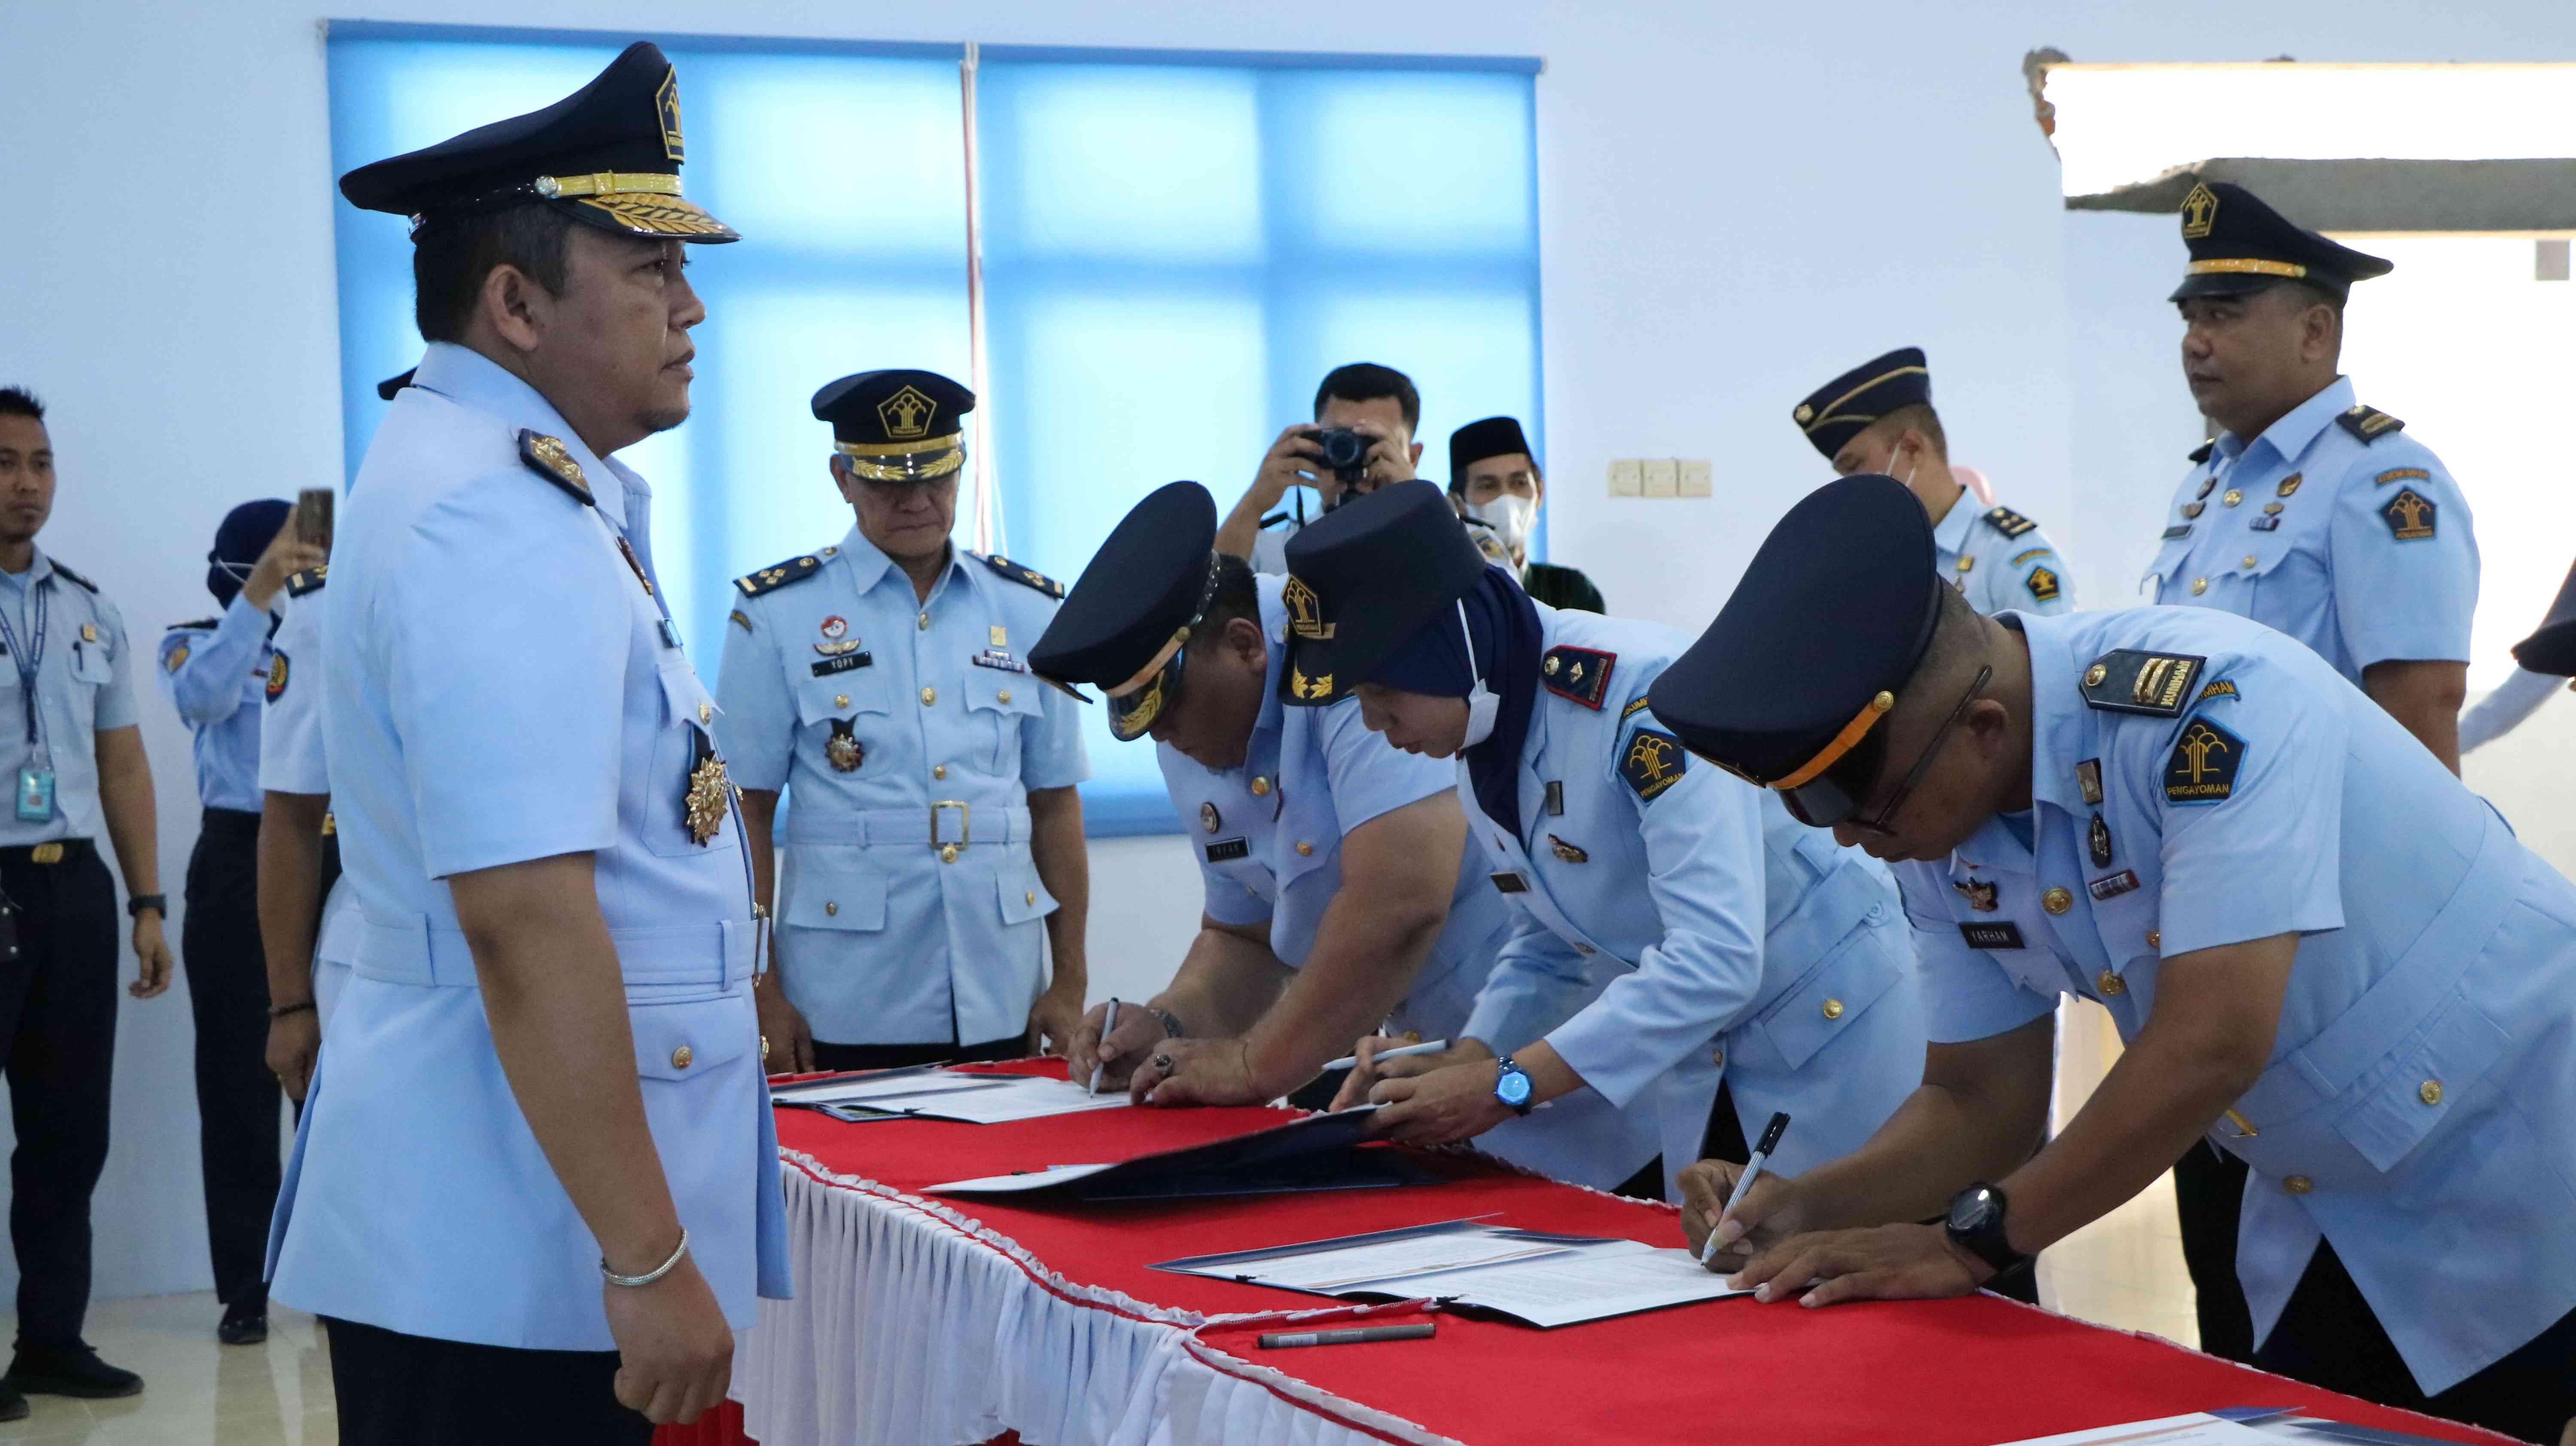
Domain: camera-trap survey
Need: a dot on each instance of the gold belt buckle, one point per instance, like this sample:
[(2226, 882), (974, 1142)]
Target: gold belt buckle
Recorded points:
[(965, 828), (46, 853)]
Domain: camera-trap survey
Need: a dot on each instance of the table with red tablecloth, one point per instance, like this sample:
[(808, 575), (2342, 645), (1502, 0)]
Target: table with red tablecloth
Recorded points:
[(929, 1321)]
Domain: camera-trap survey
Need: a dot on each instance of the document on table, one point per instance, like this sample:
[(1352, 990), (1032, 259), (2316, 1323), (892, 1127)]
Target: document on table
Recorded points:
[(2197, 1429), (909, 1085), (1318, 1152), (977, 1099)]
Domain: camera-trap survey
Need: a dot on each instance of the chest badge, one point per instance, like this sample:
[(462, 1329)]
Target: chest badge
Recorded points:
[(702, 806), (1209, 818), (836, 627), (2290, 484), (2088, 780), (276, 676), (1567, 851), (2207, 485), (843, 750), (1982, 897), (2097, 839), (2193, 509)]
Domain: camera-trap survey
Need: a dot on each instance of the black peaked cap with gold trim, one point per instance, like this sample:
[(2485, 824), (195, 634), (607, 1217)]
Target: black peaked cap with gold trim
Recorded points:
[(2552, 649), (2239, 245), (1129, 610), (898, 425), (1841, 409), (1836, 608), (1364, 578), (608, 155)]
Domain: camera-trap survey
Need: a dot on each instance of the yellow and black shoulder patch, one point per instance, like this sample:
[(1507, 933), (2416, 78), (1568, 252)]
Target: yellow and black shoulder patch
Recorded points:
[(2204, 764), (2201, 453), (309, 580), (2042, 584), (1635, 706), (1580, 675), (1024, 576), (2410, 515), (2126, 680), (778, 575), (549, 458), (2403, 474), (2369, 423), (1652, 762), (2009, 522), (2220, 688)]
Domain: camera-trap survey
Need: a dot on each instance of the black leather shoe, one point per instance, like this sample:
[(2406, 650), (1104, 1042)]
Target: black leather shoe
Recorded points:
[(78, 1372), (13, 1407), (244, 1324)]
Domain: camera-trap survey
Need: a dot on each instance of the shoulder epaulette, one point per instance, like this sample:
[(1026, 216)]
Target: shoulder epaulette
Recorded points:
[(1024, 576), (2201, 453), (75, 577), (203, 623), (2009, 522), (309, 580), (778, 575), (2125, 680), (1578, 675), (2369, 423), (549, 458)]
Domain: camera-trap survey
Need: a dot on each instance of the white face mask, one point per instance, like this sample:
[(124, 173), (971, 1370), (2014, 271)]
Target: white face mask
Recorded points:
[(1482, 705), (1510, 515), (1894, 454)]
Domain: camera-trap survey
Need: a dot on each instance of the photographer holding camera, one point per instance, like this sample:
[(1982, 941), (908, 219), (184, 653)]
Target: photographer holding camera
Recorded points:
[(1361, 439)]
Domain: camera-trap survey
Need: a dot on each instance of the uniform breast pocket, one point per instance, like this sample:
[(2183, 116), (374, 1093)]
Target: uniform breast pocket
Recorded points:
[(693, 1041), (91, 664), (835, 887), (1863, 967), (1000, 703), (679, 786)]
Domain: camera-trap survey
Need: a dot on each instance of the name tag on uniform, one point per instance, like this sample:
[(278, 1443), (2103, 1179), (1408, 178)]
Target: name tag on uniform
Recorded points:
[(1227, 850), (843, 664), (1992, 936), (2179, 529), (1511, 883), (2125, 881), (995, 658)]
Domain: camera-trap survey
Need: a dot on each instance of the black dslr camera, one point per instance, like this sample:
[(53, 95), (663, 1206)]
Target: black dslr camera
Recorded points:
[(1346, 452)]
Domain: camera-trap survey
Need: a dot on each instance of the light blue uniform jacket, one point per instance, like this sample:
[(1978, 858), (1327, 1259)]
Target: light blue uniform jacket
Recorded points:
[(215, 673), (1999, 559), (1269, 838), (1736, 940), (886, 937), (84, 687), (2361, 549), (293, 759), (498, 689), (2419, 1110)]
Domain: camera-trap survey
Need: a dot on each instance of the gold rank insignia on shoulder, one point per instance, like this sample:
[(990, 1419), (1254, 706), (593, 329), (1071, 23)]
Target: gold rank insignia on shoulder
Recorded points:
[(1653, 763), (2369, 423), (777, 575), (2204, 764), (2009, 522), (1566, 851), (549, 458), (310, 579), (1024, 576), (1578, 675), (702, 805), (2128, 681)]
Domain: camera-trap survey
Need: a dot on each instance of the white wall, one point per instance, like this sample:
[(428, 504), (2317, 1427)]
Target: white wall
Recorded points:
[(1737, 201)]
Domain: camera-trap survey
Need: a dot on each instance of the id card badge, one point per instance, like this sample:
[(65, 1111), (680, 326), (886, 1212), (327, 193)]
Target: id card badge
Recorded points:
[(36, 795)]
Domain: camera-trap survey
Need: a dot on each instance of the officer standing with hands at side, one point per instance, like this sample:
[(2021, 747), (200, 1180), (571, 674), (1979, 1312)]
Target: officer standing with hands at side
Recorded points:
[(1759, 968), (535, 1188), (1878, 417), (937, 857), (2324, 953), (216, 673)]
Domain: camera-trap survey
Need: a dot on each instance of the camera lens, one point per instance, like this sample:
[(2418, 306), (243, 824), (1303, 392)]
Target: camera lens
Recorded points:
[(1342, 447)]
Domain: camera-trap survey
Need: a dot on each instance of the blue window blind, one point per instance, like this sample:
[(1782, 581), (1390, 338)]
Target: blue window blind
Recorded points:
[(1175, 254), (842, 166)]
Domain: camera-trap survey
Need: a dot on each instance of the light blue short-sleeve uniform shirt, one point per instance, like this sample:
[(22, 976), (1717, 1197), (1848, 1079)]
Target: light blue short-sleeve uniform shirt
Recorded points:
[(2333, 526), (1737, 943), (293, 759), (215, 674), (1999, 559), (84, 687), (499, 688), (1268, 834), (2419, 1110), (906, 733)]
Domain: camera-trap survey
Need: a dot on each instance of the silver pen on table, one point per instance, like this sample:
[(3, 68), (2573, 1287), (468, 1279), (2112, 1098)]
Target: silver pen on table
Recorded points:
[(1354, 1335), (1097, 1062), (1428, 1046), (1770, 1141)]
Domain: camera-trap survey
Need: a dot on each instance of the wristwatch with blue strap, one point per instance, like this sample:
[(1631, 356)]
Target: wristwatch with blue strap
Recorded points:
[(1512, 1086)]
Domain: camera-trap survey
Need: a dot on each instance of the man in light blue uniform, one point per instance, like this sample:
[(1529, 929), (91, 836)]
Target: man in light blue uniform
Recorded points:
[(1342, 886), (1754, 964), (215, 674), (309, 924), (2322, 951), (936, 856), (1878, 417), (535, 1190)]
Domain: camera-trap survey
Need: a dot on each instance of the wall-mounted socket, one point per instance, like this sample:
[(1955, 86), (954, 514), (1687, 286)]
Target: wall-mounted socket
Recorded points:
[(1659, 477), (1694, 478), (1627, 477), (1663, 477)]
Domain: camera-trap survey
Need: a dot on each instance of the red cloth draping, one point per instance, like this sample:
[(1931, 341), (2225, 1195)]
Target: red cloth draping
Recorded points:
[(1966, 1372)]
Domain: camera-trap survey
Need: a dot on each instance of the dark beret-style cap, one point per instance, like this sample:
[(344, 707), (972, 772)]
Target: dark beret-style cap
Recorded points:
[(1364, 578), (1476, 441)]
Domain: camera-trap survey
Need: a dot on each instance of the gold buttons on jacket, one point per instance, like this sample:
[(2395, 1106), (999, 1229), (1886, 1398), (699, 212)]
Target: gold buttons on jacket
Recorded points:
[(1717, 1057), (924, 624), (1004, 695), (2111, 985), (2155, 938), (831, 906), (948, 853), (939, 770), (1260, 787), (1833, 1009), (680, 1057), (2233, 497), (2430, 1092), (1033, 896), (706, 712), (2057, 901), (1304, 848), (929, 696), (2250, 559), (2298, 1184), (840, 700), (2199, 585)]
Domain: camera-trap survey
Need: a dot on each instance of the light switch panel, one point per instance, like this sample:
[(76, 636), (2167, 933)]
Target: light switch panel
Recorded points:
[(1694, 478), (1662, 477), (1627, 477)]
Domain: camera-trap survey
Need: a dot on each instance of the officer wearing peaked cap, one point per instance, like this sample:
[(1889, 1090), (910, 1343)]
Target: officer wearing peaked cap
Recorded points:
[(540, 1200), (1878, 417), (934, 837), (1752, 965), (1341, 887), (2323, 952)]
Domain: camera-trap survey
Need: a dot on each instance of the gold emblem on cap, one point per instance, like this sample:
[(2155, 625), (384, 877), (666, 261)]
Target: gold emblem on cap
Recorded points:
[(1305, 609), (1301, 686), (907, 414), (1803, 415), (666, 103), (2199, 210)]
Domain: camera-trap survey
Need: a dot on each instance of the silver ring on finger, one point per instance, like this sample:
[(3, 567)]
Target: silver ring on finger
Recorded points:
[(1163, 1063)]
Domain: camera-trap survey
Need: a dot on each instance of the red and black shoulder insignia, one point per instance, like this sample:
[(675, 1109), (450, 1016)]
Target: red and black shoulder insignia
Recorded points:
[(778, 575), (310, 579), (1581, 675), (2009, 522), (1024, 576), (2201, 453), (2369, 423), (549, 458)]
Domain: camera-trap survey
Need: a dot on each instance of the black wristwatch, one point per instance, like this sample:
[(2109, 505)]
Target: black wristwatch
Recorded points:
[(1976, 1225), (157, 903)]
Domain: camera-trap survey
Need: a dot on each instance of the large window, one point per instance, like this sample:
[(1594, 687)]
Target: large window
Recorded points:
[(1176, 248)]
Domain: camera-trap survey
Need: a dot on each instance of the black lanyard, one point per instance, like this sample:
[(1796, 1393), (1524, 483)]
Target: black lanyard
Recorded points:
[(27, 659)]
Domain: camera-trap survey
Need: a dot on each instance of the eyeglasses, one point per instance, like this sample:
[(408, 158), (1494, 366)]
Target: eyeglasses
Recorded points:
[(1822, 804)]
